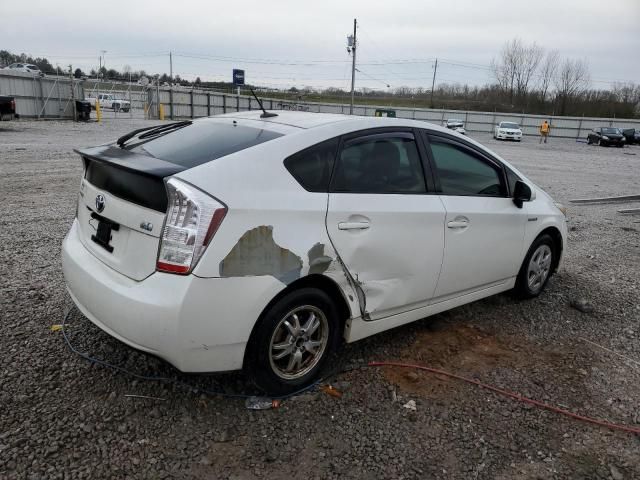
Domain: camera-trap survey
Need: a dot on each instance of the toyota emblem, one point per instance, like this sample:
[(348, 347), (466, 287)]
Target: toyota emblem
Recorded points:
[(100, 202)]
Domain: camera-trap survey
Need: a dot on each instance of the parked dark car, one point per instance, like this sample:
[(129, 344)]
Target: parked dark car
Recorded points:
[(83, 110), (7, 108), (632, 136), (605, 136)]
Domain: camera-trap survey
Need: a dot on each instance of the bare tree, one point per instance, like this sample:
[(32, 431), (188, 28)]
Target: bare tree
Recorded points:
[(504, 68), (516, 66), (527, 60), (548, 71), (572, 79)]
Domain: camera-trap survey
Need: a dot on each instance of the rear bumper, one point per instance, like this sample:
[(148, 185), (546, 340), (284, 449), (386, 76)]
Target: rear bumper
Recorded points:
[(196, 324)]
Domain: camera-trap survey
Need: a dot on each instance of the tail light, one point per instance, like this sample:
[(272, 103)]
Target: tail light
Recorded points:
[(193, 217), (13, 105)]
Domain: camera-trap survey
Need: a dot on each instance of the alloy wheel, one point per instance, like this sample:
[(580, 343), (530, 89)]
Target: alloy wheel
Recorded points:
[(539, 267), (298, 342)]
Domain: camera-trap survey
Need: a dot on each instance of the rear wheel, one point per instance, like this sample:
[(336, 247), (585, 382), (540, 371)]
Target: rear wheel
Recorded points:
[(292, 342), (536, 268)]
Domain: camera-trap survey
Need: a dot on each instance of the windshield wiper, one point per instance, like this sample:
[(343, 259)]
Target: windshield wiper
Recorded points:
[(149, 131)]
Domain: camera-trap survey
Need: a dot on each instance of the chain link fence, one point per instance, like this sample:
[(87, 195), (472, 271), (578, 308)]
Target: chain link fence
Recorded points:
[(52, 97)]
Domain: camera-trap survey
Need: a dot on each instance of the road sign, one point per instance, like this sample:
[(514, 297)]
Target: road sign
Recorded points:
[(238, 77)]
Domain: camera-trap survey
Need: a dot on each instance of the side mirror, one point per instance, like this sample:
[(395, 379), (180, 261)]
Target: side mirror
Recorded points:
[(521, 193)]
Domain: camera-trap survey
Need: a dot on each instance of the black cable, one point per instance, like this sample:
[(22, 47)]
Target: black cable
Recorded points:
[(180, 383)]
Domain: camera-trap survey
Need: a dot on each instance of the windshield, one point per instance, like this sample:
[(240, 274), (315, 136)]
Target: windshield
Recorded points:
[(509, 125), (201, 142), (612, 131)]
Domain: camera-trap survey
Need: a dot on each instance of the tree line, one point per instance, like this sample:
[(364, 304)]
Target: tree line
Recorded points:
[(526, 78)]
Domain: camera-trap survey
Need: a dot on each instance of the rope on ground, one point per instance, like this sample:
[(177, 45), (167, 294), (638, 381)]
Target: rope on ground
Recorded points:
[(167, 380), (513, 395)]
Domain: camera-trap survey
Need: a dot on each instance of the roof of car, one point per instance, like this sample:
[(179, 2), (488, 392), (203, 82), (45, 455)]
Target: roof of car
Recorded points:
[(292, 118)]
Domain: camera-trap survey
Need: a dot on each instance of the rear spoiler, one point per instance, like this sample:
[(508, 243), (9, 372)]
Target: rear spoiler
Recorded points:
[(134, 177), (133, 162)]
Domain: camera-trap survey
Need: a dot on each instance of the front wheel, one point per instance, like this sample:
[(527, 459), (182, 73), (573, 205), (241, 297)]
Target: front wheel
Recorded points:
[(536, 268), (292, 342), (589, 141)]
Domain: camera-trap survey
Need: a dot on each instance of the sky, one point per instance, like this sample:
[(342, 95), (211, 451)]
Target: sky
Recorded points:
[(284, 43)]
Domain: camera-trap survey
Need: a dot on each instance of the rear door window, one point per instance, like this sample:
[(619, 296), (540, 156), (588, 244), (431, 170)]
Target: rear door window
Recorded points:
[(203, 141), (380, 163)]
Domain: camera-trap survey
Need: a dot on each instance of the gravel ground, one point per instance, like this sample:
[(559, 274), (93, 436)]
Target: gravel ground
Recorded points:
[(65, 418)]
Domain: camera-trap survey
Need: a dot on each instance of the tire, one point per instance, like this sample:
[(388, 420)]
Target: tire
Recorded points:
[(536, 268), (280, 376), (589, 141)]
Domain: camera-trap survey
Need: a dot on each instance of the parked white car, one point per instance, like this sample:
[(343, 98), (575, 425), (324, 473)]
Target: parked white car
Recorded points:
[(507, 131), (455, 125), (25, 67), (109, 101), (239, 241)]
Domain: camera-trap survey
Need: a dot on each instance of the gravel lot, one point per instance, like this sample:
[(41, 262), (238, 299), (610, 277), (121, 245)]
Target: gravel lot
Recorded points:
[(65, 418)]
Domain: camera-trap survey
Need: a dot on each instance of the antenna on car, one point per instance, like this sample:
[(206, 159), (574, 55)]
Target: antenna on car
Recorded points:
[(265, 114)]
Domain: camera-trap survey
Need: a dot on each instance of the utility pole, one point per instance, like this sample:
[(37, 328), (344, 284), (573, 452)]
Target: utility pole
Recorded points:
[(353, 64), (171, 85), (73, 95), (433, 83)]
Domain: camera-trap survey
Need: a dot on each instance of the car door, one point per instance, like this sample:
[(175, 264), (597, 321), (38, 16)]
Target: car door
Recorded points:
[(383, 222), (484, 230)]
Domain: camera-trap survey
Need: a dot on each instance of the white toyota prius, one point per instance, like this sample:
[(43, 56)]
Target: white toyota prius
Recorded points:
[(260, 242)]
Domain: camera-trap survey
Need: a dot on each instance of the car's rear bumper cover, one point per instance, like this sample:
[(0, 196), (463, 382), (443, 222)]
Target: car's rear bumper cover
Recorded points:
[(196, 324)]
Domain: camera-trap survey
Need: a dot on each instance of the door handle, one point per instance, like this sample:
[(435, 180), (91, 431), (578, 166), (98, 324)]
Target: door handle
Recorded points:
[(458, 223), (353, 225)]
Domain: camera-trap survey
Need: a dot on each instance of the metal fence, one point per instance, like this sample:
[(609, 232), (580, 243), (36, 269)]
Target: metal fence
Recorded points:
[(41, 97), (50, 97), (191, 103)]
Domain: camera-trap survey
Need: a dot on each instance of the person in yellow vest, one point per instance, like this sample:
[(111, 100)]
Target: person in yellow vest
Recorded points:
[(545, 128)]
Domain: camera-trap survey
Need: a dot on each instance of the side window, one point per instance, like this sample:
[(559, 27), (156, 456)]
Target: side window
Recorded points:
[(461, 172), (379, 164), (312, 167)]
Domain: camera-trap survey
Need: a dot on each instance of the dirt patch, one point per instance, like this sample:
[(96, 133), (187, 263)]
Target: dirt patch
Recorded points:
[(464, 350)]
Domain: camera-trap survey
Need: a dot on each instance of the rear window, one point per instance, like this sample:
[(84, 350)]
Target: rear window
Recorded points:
[(202, 142), (312, 167)]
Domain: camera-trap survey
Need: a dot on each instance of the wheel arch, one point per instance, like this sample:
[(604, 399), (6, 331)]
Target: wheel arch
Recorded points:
[(319, 281)]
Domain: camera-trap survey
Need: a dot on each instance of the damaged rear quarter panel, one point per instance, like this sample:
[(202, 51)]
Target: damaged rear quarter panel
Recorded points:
[(273, 228)]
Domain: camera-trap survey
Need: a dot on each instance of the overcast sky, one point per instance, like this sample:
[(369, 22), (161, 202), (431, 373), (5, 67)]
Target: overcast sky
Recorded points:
[(303, 43)]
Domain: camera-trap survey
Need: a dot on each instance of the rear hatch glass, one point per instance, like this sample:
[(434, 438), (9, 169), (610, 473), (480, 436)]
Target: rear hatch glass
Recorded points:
[(201, 142)]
